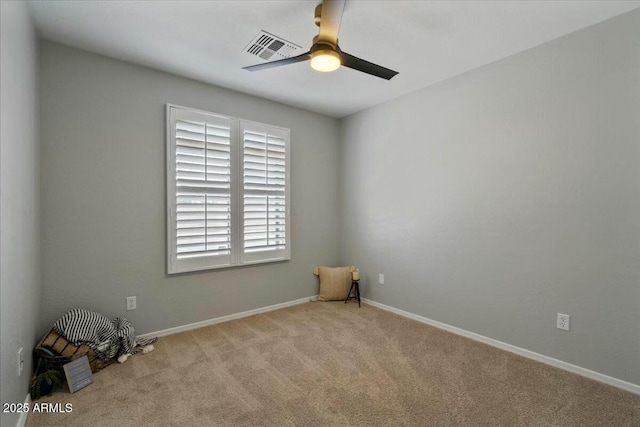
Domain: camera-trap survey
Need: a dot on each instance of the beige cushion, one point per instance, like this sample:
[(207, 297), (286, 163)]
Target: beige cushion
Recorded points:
[(334, 282)]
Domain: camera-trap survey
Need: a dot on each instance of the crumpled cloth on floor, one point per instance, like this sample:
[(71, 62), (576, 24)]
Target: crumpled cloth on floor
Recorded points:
[(108, 338)]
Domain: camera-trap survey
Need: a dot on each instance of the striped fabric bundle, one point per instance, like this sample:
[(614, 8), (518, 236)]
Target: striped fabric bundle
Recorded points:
[(109, 339)]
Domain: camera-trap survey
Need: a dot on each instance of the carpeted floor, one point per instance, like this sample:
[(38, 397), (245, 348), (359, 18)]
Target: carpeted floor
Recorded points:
[(325, 364)]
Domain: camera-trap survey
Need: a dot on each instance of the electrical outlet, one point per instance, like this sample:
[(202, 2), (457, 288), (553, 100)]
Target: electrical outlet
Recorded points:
[(381, 278), (564, 321), (131, 303), (20, 361)]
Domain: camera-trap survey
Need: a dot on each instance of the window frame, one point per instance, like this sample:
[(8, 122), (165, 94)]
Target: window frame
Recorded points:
[(237, 256)]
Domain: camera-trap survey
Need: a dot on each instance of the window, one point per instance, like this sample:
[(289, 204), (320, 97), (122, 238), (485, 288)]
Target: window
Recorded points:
[(227, 191)]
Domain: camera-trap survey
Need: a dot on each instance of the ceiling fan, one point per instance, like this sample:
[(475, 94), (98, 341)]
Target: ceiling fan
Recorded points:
[(325, 54)]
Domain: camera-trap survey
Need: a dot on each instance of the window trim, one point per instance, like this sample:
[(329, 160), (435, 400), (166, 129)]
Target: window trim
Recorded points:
[(237, 257)]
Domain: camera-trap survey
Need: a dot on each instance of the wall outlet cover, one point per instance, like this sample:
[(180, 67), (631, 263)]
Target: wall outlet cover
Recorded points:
[(131, 303), (563, 322), (381, 278)]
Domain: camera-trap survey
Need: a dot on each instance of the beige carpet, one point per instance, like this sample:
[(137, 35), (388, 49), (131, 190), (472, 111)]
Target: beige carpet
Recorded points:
[(324, 364)]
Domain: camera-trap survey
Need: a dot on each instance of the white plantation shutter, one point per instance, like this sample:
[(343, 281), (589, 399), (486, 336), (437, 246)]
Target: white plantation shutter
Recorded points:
[(265, 185), (200, 223), (227, 191)]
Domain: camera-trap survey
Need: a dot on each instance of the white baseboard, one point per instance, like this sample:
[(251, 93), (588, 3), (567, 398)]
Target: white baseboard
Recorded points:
[(615, 382), (22, 421), (234, 316)]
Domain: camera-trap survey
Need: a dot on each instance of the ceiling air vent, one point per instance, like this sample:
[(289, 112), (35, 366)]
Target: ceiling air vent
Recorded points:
[(266, 46)]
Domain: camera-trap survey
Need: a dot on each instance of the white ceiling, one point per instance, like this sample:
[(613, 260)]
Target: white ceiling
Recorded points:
[(426, 41)]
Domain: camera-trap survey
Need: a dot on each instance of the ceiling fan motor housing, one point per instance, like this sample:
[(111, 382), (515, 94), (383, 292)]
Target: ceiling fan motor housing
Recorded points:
[(323, 45), (325, 57)]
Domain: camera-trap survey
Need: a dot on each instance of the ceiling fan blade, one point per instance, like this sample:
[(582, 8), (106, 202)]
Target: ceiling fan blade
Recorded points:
[(330, 18), (366, 66), (286, 61)]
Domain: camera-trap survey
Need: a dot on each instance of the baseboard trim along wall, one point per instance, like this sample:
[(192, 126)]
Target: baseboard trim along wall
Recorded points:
[(615, 382), (227, 318), (22, 421)]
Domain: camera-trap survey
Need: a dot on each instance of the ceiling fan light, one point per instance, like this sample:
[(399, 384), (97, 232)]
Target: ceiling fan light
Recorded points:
[(325, 60)]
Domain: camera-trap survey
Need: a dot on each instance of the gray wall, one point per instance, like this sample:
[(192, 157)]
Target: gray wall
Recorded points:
[(19, 201), (103, 195), (500, 197)]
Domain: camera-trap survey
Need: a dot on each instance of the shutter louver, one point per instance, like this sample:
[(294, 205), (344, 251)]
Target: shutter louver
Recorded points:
[(264, 190), (203, 188)]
